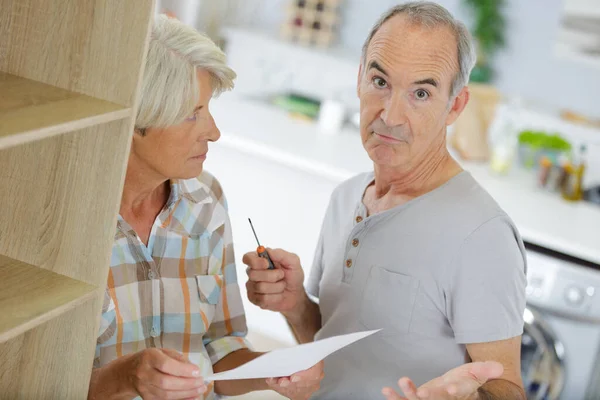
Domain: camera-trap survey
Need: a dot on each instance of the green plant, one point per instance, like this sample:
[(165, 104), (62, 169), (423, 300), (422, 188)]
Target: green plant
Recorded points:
[(489, 31), (539, 140)]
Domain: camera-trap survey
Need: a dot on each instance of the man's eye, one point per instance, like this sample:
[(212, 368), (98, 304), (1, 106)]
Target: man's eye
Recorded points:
[(421, 94), (379, 82)]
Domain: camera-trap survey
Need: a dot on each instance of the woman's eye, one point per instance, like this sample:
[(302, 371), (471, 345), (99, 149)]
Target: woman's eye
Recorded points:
[(379, 82), (421, 94), (192, 117)]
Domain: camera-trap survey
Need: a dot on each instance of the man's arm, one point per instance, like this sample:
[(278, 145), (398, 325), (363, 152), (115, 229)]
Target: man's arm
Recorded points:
[(508, 353), (494, 374), (305, 321)]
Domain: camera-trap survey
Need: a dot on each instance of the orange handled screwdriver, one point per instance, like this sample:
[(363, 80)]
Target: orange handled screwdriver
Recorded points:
[(262, 252)]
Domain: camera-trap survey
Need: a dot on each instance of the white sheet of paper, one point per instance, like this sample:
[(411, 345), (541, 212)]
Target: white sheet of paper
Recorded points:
[(288, 361)]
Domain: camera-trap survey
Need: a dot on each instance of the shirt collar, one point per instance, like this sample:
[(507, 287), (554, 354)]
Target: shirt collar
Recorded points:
[(189, 189), (192, 190)]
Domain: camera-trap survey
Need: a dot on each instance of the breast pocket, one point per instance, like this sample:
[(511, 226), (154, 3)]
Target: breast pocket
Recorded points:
[(388, 301), (209, 292)]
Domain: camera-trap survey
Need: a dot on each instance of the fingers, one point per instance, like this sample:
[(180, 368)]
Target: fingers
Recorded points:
[(278, 382), (255, 262), (172, 366), (265, 301), (265, 287), (176, 355), (269, 276), (484, 371), (408, 388), (313, 373), (284, 258), (162, 386), (390, 394), (178, 395), (457, 387), (172, 383), (307, 381)]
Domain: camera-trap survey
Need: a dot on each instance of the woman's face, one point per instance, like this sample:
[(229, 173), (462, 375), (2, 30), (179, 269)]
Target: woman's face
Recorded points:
[(179, 151)]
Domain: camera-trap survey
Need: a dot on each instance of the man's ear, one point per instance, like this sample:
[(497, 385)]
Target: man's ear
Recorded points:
[(458, 105), (359, 79)]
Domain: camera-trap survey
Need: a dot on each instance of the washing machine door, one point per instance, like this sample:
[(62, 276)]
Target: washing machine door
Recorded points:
[(542, 358)]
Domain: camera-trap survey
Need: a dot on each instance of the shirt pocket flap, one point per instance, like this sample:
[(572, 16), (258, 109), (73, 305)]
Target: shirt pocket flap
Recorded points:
[(209, 288)]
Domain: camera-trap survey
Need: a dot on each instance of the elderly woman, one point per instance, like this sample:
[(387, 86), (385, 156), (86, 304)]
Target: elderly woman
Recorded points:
[(173, 311)]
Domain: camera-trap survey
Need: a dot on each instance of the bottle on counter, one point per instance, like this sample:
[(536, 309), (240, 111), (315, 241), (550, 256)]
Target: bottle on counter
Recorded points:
[(545, 171), (503, 154), (572, 188), (504, 136)]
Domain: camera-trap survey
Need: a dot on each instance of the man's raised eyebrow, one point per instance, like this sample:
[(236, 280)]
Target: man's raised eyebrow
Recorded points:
[(428, 81), (375, 64)]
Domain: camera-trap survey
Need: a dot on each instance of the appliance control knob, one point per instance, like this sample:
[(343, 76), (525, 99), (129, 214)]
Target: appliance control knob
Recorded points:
[(574, 296)]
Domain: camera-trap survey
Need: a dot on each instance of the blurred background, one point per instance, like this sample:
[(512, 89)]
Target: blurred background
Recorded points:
[(530, 135)]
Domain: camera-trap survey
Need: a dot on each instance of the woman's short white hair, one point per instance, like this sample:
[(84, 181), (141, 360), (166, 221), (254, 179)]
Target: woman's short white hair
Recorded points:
[(170, 90), (431, 15)]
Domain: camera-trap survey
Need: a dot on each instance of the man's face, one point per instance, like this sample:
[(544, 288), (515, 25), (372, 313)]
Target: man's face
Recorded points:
[(404, 89)]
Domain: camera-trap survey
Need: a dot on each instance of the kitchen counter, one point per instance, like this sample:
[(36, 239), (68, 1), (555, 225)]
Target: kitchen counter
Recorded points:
[(542, 218)]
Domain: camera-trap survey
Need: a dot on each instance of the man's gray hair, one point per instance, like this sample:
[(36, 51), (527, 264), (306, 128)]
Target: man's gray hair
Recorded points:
[(432, 15)]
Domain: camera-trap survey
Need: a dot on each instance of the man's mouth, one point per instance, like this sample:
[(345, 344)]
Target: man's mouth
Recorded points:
[(386, 138)]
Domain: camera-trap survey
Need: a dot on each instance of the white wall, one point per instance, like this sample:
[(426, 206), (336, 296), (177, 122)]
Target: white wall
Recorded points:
[(528, 67)]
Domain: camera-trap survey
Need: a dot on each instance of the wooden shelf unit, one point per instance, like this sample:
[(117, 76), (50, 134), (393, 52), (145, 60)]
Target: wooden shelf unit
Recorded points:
[(31, 110), (70, 74), (34, 295)]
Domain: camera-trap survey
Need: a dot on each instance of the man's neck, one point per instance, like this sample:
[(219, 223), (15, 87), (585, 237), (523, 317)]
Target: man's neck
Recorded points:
[(394, 186)]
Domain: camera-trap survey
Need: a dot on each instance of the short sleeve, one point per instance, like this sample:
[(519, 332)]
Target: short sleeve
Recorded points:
[(316, 272), (485, 291)]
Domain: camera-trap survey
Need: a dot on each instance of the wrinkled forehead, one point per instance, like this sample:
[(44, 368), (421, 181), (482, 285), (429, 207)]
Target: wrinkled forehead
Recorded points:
[(407, 48)]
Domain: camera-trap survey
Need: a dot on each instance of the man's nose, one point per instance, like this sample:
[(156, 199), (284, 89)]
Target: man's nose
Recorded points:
[(394, 111)]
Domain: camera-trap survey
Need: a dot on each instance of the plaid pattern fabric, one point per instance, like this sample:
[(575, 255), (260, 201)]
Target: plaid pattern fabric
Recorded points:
[(181, 291)]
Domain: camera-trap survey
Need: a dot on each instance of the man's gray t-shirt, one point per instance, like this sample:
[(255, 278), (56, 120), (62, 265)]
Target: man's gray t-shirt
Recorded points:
[(441, 271)]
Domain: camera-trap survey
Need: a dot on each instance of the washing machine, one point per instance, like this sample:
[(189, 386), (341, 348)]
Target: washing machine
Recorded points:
[(561, 339)]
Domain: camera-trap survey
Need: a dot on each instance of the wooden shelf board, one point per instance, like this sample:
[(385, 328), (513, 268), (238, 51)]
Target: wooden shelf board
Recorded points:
[(30, 296), (31, 111)]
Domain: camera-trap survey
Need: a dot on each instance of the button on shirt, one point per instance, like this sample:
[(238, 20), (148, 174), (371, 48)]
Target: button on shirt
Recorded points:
[(180, 292), (441, 271)]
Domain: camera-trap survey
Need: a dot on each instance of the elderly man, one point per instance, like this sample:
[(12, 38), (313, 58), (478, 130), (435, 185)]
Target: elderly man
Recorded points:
[(173, 311), (417, 247)]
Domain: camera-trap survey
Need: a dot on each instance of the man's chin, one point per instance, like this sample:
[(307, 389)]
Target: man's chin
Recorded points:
[(387, 156)]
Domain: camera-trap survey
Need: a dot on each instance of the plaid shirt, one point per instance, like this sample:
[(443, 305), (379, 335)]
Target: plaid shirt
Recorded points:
[(180, 292)]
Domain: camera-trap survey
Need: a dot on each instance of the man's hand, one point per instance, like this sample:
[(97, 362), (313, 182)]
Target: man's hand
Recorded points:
[(301, 385), (460, 383), (160, 374), (280, 289)]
